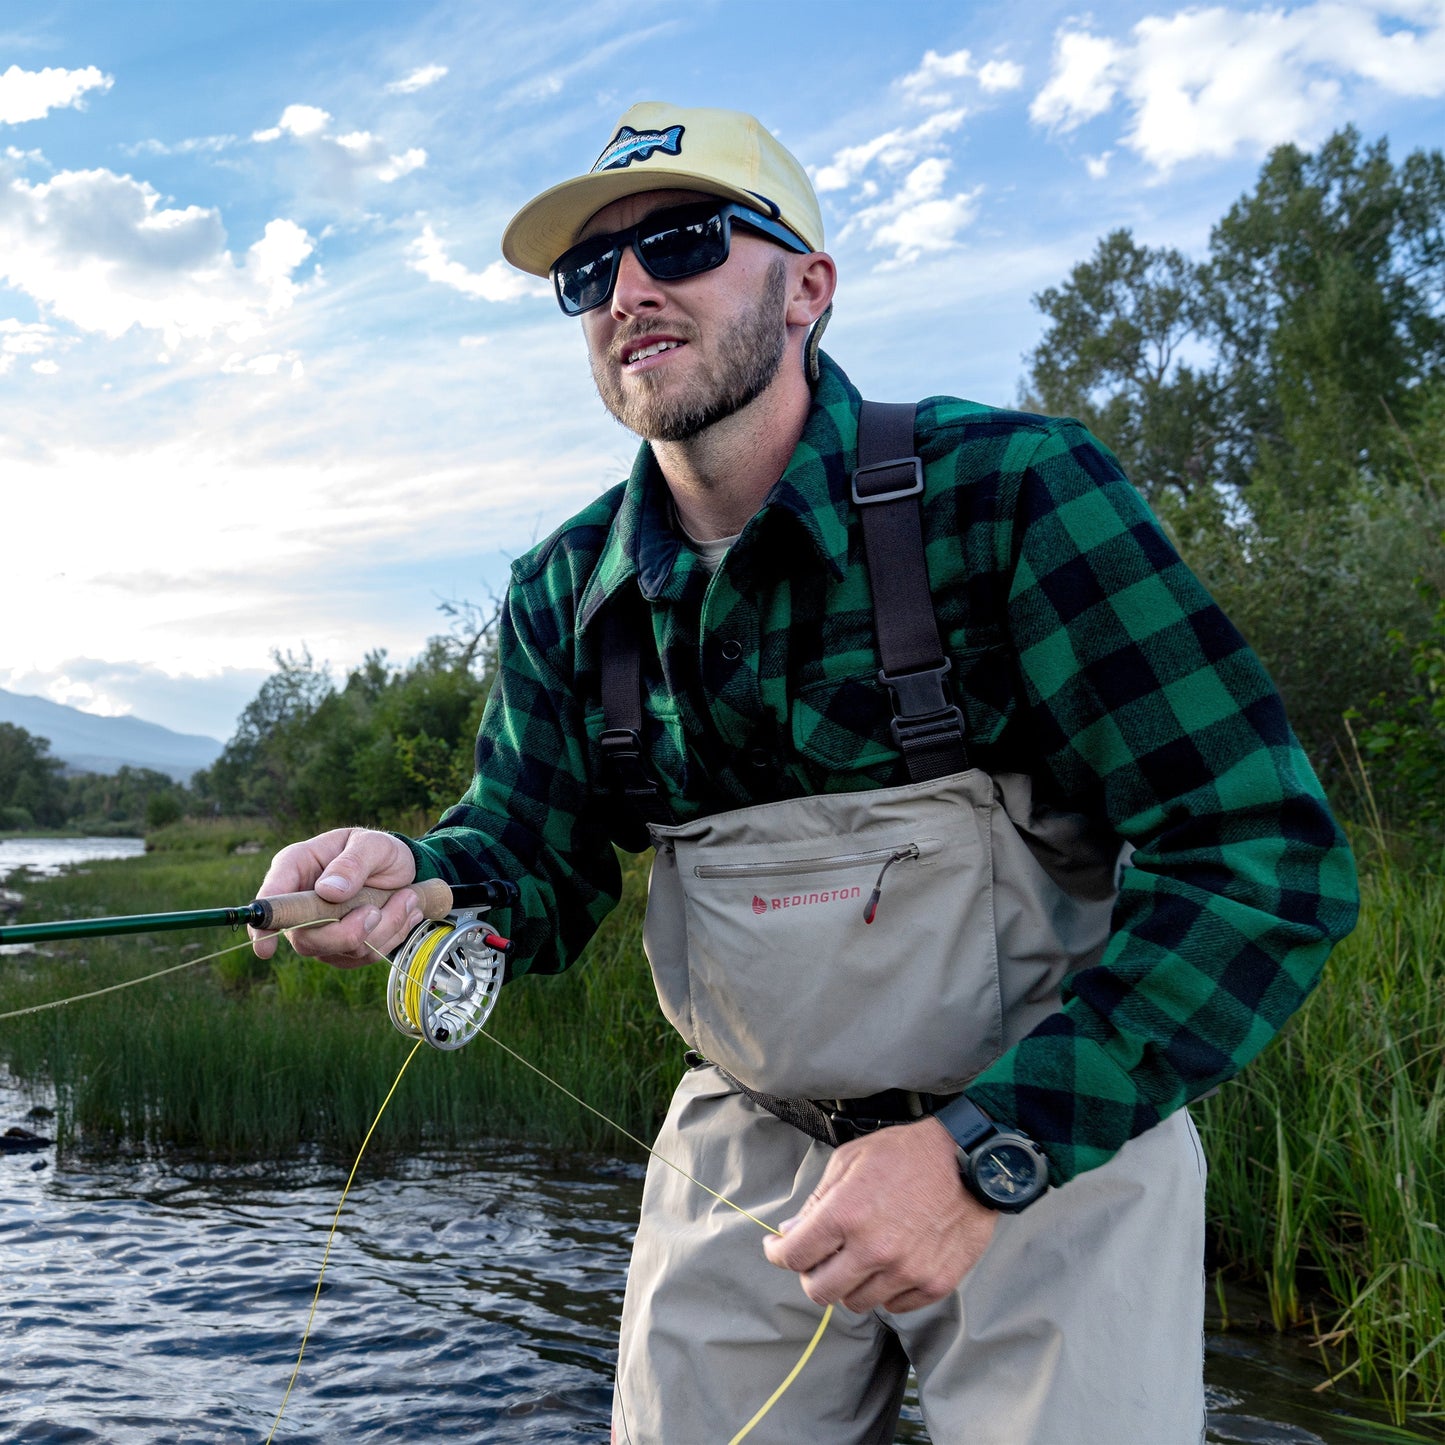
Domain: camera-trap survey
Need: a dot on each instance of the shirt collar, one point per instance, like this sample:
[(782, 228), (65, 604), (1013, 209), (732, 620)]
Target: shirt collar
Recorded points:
[(814, 490)]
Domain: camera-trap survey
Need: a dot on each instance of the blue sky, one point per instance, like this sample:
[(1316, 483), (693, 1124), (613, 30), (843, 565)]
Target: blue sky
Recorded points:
[(268, 383)]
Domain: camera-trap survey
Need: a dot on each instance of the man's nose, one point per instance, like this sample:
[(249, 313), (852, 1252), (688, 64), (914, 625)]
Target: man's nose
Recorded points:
[(636, 291)]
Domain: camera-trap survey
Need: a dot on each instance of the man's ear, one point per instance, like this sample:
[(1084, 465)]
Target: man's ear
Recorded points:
[(814, 279)]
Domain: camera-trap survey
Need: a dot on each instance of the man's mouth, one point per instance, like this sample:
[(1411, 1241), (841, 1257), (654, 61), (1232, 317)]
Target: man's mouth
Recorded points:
[(642, 350)]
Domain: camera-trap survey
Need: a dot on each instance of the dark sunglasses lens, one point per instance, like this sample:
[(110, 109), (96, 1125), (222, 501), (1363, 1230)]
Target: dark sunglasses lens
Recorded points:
[(584, 276), (684, 242)]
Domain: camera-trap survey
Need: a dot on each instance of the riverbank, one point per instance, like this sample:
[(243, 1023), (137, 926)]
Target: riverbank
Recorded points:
[(1327, 1155)]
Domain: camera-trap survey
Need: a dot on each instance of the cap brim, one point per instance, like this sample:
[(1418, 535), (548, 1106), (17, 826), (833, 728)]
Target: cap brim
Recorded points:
[(548, 225)]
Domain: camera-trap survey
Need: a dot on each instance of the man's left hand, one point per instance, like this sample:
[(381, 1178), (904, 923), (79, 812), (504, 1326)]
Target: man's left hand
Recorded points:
[(889, 1226)]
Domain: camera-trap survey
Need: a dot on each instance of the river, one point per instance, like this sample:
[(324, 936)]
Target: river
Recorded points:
[(47, 856), (470, 1296)]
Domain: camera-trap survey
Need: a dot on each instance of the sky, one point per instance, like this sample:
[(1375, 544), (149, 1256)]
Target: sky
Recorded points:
[(268, 383)]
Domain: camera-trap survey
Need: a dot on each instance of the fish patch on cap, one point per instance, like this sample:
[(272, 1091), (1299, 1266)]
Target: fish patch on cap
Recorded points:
[(630, 145)]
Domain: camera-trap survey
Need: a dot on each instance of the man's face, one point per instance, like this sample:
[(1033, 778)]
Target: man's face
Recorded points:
[(670, 358)]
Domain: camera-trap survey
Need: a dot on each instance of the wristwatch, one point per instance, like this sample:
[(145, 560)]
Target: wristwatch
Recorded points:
[(1001, 1168)]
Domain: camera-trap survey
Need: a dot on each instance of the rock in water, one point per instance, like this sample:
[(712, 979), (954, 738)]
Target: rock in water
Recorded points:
[(16, 1140)]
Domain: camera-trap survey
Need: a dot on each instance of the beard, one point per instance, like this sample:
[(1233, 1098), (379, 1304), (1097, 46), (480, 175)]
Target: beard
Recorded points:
[(749, 353)]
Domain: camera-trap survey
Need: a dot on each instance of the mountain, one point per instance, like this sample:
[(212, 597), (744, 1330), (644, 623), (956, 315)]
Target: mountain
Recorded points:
[(89, 744)]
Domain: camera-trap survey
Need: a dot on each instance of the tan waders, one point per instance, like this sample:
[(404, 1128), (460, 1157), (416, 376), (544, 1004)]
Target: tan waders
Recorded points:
[(1082, 1323)]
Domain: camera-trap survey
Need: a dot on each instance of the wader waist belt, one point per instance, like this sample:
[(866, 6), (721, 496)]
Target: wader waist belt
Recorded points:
[(837, 1121)]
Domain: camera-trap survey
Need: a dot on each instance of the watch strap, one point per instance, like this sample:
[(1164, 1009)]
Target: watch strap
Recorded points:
[(968, 1124)]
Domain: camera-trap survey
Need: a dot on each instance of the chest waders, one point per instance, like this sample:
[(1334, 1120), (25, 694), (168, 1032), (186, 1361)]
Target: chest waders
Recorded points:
[(846, 961)]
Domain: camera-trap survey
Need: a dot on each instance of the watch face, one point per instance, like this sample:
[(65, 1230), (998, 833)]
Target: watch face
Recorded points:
[(1008, 1172)]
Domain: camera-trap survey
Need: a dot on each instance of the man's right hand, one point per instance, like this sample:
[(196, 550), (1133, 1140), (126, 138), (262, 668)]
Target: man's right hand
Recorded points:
[(338, 865)]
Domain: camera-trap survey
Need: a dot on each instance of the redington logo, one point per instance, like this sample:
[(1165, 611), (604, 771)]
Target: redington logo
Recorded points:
[(804, 900)]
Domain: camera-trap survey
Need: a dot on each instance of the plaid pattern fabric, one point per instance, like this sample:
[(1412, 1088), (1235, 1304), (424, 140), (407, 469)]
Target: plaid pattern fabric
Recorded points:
[(1083, 653)]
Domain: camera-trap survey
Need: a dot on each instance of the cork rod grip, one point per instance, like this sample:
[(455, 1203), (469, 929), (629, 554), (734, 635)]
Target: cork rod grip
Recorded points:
[(287, 910)]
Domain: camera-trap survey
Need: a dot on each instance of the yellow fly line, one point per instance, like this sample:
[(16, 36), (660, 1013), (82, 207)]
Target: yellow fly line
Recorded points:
[(411, 1006)]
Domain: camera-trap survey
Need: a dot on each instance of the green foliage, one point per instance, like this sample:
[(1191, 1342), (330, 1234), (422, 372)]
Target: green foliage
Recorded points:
[(1327, 1156), (1111, 358), (1403, 738), (1282, 406), (129, 796), (1322, 298), (31, 789), (389, 743), (247, 1060)]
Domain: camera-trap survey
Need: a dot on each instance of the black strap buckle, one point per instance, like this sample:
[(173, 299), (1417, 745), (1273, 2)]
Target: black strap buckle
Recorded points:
[(918, 695), (903, 467), (621, 750), (922, 712)]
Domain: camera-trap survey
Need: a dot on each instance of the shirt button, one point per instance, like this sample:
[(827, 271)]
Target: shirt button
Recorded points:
[(760, 758), (732, 649)]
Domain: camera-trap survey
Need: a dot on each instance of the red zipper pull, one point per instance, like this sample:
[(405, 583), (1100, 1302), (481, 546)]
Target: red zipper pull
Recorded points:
[(871, 911)]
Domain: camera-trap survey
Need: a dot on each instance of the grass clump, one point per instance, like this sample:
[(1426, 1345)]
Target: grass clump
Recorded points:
[(1327, 1156), (247, 1059)]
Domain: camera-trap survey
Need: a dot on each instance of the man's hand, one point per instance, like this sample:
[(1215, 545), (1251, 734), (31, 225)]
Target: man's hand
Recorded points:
[(890, 1225), (338, 865)]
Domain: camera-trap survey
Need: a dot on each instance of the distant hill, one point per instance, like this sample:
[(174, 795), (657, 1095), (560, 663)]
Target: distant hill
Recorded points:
[(89, 744)]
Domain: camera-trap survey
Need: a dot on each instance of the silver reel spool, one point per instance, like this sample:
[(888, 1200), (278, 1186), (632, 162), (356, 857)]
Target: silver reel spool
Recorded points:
[(445, 980)]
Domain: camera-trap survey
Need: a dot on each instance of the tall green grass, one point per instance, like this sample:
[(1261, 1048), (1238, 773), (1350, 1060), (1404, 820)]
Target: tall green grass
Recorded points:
[(1327, 1156), (241, 1059)]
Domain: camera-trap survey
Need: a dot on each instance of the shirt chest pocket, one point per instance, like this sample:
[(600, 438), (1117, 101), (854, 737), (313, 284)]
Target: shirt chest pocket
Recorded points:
[(842, 724)]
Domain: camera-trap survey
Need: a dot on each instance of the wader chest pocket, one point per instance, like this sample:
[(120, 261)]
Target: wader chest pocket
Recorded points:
[(765, 961)]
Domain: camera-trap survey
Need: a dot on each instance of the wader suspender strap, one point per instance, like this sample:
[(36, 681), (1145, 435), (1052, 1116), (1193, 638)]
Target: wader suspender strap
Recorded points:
[(624, 774), (888, 492), (927, 728)]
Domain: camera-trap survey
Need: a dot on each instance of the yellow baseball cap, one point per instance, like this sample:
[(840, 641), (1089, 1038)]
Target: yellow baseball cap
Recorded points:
[(657, 147)]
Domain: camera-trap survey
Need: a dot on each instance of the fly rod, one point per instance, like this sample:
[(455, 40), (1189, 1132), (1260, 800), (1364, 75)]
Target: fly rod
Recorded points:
[(444, 978)]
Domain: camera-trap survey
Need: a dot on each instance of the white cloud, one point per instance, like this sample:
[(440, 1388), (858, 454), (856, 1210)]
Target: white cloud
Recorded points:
[(300, 121), (33, 94), (45, 366), (897, 178), (355, 153), (25, 338), (404, 164), (1210, 82), (101, 251), (192, 145), (893, 150), (935, 82), (1083, 83), (997, 75), (270, 363), (1098, 166), (499, 282), (419, 79), (928, 85), (918, 218)]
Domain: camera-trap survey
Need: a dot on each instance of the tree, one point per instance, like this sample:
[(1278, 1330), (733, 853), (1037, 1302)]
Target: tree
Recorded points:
[(1282, 406), (129, 795), (30, 779), (257, 769), (1322, 298), (1112, 357), (388, 743)]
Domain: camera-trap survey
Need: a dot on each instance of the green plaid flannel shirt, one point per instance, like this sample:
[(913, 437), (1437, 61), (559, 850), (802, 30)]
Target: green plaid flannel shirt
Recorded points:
[(1083, 653)]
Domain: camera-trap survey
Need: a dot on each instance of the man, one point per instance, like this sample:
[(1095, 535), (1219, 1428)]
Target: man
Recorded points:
[(961, 1094)]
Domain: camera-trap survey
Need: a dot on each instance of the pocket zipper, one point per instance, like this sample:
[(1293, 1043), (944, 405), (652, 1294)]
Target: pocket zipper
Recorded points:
[(886, 856), (805, 865)]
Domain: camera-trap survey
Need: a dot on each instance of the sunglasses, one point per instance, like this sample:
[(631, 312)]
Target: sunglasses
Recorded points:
[(671, 244)]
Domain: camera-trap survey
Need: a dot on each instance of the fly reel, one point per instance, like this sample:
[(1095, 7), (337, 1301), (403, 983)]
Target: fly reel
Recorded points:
[(446, 977)]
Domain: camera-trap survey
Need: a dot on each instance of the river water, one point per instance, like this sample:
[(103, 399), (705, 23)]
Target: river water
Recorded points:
[(47, 856), (469, 1296)]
